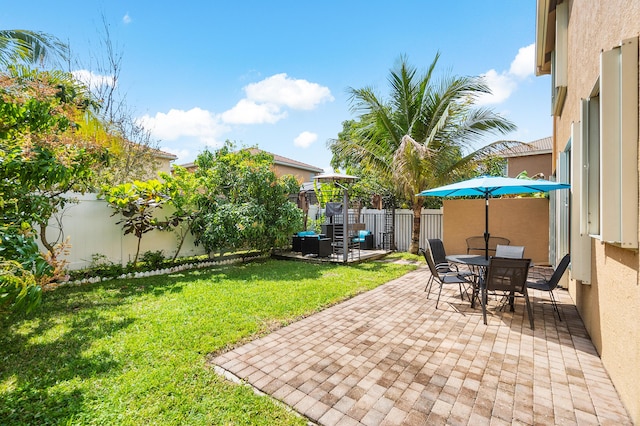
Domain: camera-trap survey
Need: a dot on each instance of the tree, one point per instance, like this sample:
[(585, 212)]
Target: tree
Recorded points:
[(242, 204), (48, 146), (137, 202), (23, 46), (417, 139), (183, 189), (50, 143), (131, 143)]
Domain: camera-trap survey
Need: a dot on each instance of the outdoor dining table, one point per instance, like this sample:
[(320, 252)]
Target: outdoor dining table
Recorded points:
[(477, 264)]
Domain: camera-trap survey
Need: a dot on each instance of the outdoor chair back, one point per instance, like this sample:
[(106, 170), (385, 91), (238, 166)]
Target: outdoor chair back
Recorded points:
[(475, 245), (512, 252), (550, 284), (506, 277), (437, 250)]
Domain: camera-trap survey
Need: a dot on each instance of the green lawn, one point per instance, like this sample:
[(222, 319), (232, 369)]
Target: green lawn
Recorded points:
[(132, 352)]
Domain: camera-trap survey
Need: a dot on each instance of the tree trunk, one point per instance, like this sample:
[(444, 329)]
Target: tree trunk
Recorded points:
[(181, 241), (44, 241), (415, 230)]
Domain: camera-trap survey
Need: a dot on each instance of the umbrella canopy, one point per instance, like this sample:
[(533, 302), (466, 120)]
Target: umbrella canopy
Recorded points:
[(491, 186)]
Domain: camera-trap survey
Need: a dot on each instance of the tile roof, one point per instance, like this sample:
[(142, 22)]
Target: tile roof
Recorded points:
[(164, 154), (277, 159), (539, 146), (284, 161)]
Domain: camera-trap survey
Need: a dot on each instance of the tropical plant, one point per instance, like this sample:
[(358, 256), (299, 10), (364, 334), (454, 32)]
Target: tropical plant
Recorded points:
[(138, 203), (183, 188), (18, 288), (29, 46), (420, 136)]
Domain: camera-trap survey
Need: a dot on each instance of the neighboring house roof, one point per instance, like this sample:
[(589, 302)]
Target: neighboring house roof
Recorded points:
[(537, 147), (277, 159), (284, 161), (166, 155)]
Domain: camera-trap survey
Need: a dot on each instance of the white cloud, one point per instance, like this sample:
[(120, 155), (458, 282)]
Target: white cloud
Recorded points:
[(126, 18), (265, 100), (524, 63), (249, 112), (503, 84), (279, 89), (93, 81), (196, 122), (305, 139)]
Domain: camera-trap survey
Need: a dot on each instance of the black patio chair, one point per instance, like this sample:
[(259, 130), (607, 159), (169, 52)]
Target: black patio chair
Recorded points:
[(440, 258), (550, 284), (508, 278), (443, 275)]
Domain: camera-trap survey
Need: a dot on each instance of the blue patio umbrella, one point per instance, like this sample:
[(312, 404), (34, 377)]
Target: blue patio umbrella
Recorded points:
[(492, 186)]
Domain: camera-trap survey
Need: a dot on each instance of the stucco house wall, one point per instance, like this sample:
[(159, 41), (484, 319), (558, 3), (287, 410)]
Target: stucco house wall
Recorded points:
[(532, 164), (610, 304), (524, 221)]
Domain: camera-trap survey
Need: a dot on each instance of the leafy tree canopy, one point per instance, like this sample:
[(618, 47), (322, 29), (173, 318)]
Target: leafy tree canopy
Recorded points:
[(242, 203), (47, 147)]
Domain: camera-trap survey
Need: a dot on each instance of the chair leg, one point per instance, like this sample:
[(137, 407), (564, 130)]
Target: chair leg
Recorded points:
[(428, 286), (483, 302), (529, 310), (555, 304), (439, 292)]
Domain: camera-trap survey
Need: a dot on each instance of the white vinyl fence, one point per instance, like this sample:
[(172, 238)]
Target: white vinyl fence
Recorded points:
[(93, 231), (430, 225)]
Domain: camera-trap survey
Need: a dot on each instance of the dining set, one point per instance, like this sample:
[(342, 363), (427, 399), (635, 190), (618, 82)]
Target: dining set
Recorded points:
[(501, 271)]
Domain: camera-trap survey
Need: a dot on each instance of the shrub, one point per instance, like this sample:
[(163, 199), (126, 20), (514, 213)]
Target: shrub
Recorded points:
[(153, 259)]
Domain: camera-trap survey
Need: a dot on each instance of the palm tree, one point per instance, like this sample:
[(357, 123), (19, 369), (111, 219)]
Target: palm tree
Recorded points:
[(417, 139), (29, 46)]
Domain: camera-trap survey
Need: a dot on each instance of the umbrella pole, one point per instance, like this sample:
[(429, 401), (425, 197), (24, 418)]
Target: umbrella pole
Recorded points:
[(486, 226)]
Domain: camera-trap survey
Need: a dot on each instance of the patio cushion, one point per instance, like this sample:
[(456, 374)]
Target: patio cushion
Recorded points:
[(307, 234), (362, 234)]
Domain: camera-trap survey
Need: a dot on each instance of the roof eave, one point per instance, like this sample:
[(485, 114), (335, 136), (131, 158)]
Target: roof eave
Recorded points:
[(543, 65)]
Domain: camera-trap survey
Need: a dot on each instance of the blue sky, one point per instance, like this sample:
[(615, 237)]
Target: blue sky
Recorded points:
[(275, 74)]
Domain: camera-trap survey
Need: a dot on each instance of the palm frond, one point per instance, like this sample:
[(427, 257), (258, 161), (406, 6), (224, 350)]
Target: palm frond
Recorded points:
[(29, 46)]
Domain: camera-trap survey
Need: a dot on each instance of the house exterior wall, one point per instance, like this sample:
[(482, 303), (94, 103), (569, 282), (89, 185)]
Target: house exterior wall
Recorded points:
[(524, 221), (300, 174), (610, 305), (532, 164), (164, 165)]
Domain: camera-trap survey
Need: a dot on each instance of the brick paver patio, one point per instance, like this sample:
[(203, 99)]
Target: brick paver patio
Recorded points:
[(388, 357)]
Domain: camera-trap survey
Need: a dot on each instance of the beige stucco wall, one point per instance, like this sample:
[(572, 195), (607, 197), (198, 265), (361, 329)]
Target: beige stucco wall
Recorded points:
[(532, 164), (299, 174), (610, 306), (524, 221)]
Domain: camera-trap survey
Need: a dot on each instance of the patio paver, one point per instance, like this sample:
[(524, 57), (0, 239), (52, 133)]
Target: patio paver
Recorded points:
[(388, 357)]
